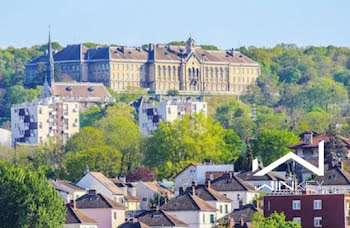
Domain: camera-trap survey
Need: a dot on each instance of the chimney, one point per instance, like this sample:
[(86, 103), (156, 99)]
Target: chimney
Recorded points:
[(92, 192), (73, 203), (208, 184), (255, 165), (308, 137), (233, 52), (181, 190), (256, 203), (193, 190), (122, 178)]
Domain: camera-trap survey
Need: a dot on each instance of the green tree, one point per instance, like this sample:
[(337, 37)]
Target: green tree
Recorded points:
[(124, 135), (227, 112), (317, 121), (273, 144), (191, 139), (335, 149), (29, 200), (275, 220), (105, 159), (86, 138)]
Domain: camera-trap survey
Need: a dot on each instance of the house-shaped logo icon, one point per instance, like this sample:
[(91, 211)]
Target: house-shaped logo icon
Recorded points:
[(318, 171)]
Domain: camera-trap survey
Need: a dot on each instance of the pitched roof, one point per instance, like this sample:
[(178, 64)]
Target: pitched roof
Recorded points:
[(249, 175), (97, 201), (74, 52), (159, 218), (189, 165), (333, 176), (131, 224), (244, 213), (69, 185), (208, 194), (159, 188), (81, 89), (187, 202), (131, 198), (107, 183), (316, 140), (75, 216), (176, 53), (231, 183)]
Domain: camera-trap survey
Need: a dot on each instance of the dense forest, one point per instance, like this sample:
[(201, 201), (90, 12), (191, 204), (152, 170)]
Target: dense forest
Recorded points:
[(301, 88)]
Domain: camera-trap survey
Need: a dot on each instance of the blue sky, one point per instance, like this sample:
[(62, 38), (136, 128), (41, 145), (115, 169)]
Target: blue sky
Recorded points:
[(225, 23)]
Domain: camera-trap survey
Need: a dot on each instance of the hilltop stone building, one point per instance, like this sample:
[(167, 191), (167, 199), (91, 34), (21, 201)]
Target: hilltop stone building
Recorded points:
[(189, 69)]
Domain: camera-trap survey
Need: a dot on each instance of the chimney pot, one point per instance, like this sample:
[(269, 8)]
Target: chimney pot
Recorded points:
[(208, 184), (181, 190), (193, 190)]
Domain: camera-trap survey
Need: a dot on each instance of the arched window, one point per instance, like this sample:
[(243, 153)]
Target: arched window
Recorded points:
[(193, 72), (197, 72), (189, 72)]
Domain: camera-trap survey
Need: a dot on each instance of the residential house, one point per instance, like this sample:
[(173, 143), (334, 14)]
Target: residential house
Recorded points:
[(197, 173), (107, 212), (192, 210), (214, 198), (160, 219), (264, 183), (308, 150), (68, 190), (103, 185), (240, 192), (311, 210), (133, 224), (147, 191), (335, 180), (240, 217), (132, 202), (77, 219)]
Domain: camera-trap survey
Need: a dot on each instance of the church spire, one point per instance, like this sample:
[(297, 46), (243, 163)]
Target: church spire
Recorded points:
[(51, 71)]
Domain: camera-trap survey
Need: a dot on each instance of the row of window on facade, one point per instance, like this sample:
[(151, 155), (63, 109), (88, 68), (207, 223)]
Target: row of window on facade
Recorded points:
[(126, 76)]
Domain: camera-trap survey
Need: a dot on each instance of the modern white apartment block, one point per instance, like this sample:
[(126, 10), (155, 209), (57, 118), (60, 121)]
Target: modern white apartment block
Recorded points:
[(38, 121), (153, 110)]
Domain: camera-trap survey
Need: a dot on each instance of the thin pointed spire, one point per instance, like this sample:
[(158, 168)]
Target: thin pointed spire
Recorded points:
[(51, 71)]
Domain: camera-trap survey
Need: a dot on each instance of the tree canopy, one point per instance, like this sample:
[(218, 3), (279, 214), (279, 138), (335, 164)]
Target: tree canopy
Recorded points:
[(28, 200)]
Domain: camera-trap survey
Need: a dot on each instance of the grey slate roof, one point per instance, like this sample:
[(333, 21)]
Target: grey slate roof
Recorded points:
[(187, 202), (231, 183), (333, 176), (244, 213), (208, 194), (97, 201), (131, 224), (249, 175), (159, 218)]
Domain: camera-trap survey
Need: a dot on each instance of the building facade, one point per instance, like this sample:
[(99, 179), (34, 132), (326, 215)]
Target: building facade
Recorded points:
[(311, 210), (197, 173), (38, 121), (166, 109), (189, 69)]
